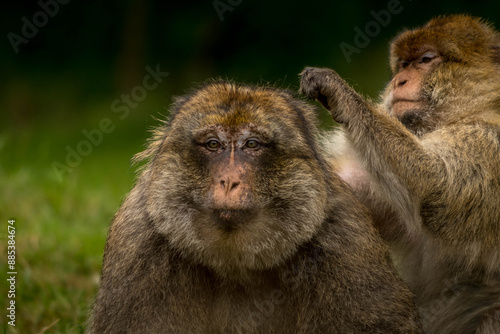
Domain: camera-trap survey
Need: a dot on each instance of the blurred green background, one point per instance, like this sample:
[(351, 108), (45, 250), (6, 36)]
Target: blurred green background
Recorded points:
[(77, 98)]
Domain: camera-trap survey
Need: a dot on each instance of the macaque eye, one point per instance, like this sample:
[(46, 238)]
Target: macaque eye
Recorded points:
[(427, 57), (404, 64), (213, 144), (252, 143)]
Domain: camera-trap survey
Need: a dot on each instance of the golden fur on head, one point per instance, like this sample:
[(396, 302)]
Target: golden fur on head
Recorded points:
[(231, 104), (459, 38)]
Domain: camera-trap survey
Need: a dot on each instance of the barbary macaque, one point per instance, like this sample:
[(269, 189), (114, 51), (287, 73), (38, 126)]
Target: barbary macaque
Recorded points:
[(236, 225), (426, 160)]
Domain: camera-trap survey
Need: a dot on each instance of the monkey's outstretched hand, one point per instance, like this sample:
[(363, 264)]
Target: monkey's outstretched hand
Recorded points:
[(326, 86), (370, 131)]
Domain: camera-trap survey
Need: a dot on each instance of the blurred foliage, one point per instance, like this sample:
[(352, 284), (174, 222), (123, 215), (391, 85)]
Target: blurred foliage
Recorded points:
[(66, 77), (91, 52)]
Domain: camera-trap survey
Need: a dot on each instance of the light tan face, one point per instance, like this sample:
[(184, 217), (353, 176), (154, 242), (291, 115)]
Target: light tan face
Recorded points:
[(233, 156), (407, 82)]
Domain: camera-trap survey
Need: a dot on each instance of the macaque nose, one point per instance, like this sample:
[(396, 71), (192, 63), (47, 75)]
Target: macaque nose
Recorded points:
[(229, 183), (230, 190), (399, 81), (405, 77)]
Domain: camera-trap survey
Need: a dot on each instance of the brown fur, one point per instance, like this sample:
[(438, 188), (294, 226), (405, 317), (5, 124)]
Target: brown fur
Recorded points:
[(306, 260), (460, 38), (440, 175)]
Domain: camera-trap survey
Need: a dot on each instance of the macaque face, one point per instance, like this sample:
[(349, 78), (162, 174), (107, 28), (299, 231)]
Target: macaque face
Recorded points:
[(235, 177), (233, 158), (406, 84)]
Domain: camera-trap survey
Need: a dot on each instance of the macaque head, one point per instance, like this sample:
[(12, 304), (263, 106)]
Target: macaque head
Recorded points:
[(430, 66), (236, 180)]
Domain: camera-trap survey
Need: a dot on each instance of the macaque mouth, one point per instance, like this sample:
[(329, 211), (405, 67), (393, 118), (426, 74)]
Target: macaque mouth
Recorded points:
[(401, 105), (229, 219)]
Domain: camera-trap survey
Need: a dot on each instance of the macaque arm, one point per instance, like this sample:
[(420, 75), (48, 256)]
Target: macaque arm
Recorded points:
[(394, 156)]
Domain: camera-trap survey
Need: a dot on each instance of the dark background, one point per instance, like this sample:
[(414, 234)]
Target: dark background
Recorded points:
[(90, 52), (65, 77)]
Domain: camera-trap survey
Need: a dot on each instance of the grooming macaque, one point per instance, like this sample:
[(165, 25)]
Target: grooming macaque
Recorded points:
[(236, 225), (427, 162)]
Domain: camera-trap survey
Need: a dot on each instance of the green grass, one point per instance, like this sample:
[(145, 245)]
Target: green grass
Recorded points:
[(61, 226)]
